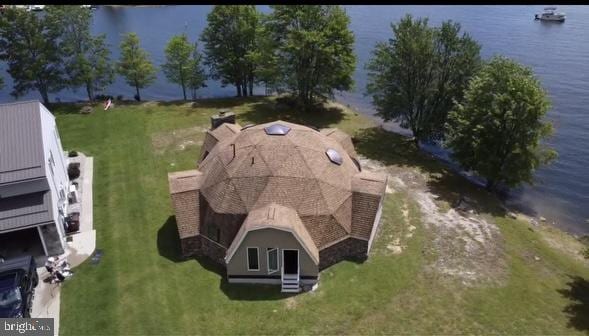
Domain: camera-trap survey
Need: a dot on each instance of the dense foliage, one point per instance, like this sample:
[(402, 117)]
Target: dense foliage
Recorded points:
[(497, 129), (29, 45), (417, 74), (314, 50), (134, 64), (229, 45), (183, 64), (86, 57)]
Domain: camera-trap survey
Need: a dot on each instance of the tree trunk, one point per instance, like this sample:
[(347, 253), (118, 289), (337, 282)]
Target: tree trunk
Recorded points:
[(138, 96), (184, 91), (44, 95), (90, 92), (238, 89), (244, 89), (490, 184), (251, 85)]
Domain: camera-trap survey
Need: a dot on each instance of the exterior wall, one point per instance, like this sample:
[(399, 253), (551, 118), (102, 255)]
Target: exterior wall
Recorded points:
[(57, 177), (263, 239), (227, 224), (52, 239), (347, 249), (201, 246)]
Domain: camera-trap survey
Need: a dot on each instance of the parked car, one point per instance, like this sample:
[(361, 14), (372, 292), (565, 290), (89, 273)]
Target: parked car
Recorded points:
[(18, 280)]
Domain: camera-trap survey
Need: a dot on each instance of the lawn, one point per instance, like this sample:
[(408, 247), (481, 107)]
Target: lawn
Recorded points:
[(141, 286)]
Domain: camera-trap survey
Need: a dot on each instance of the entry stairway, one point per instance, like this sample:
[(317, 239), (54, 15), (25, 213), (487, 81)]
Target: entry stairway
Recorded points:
[(291, 283)]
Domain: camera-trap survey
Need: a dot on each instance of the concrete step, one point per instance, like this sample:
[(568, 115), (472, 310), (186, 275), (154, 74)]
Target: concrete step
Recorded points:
[(291, 290)]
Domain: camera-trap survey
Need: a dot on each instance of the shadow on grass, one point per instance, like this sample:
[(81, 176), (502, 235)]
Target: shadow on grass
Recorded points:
[(318, 116), (391, 148), (168, 244), (168, 241), (578, 309)]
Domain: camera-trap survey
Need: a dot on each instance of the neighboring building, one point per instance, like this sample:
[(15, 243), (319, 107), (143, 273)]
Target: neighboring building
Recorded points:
[(277, 202), (33, 180)]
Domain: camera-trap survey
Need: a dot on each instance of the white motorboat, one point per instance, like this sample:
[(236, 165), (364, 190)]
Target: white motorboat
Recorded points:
[(36, 8), (550, 14)]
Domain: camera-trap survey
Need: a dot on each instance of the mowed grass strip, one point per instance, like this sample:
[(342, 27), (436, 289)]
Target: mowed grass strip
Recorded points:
[(140, 287)]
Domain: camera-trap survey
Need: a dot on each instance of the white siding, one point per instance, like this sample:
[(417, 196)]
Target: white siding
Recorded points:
[(57, 174)]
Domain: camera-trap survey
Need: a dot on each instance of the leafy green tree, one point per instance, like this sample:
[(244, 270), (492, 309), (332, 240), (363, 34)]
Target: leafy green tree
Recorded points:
[(415, 76), (229, 41), (497, 129), (87, 58), (265, 58), (180, 67), (197, 76), (28, 43), (134, 64), (314, 48)]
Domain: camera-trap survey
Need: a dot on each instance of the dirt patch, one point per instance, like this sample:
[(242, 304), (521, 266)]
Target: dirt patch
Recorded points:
[(466, 246), (291, 303), (178, 139)]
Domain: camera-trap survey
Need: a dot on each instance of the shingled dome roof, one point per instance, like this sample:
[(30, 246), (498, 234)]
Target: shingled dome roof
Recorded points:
[(254, 167)]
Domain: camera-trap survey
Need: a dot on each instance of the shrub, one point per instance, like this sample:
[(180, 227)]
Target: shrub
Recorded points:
[(73, 153), (120, 97), (100, 97), (73, 170)]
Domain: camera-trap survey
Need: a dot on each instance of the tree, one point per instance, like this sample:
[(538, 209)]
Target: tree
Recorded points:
[(197, 77), (314, 49), (415, 76), (28, 43), (265, 58), (87, 58), (134, 64), (229, 40), (179, 62), (497, 129)]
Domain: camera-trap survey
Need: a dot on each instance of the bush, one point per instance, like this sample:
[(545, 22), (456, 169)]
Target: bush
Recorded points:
[(73, 153), (120, 97), (73, 170), (100, 97)]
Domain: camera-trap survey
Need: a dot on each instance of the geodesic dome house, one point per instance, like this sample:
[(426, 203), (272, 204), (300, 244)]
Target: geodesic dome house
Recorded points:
[(277, 202)]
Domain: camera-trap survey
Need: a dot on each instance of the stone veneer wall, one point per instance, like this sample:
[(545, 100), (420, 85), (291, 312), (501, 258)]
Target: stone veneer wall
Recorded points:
[(201, 246), (347, 249)]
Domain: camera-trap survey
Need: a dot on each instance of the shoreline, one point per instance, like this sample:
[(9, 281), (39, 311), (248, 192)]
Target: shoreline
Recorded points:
[(509, 203)]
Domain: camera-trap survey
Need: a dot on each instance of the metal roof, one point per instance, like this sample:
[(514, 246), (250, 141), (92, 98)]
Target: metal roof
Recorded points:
[(25, 210), (21, 142)]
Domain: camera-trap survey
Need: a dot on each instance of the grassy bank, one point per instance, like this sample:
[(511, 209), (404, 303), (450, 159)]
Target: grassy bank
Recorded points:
[(141, 286)]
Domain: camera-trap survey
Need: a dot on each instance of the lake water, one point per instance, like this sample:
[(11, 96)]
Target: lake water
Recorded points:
[(558, 53)]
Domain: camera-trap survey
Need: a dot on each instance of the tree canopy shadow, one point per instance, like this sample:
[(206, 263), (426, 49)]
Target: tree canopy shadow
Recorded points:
[(318, 116), (578, 309)]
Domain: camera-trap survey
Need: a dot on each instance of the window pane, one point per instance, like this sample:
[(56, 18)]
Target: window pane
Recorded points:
[(272, 260), (252, 258)]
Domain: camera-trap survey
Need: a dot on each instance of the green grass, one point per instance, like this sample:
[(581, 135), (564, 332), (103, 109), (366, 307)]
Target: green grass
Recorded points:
[(140, 287)]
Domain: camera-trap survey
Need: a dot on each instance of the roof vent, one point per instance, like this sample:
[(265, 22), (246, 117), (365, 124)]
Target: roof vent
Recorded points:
[(277, 129), (334, 156)]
